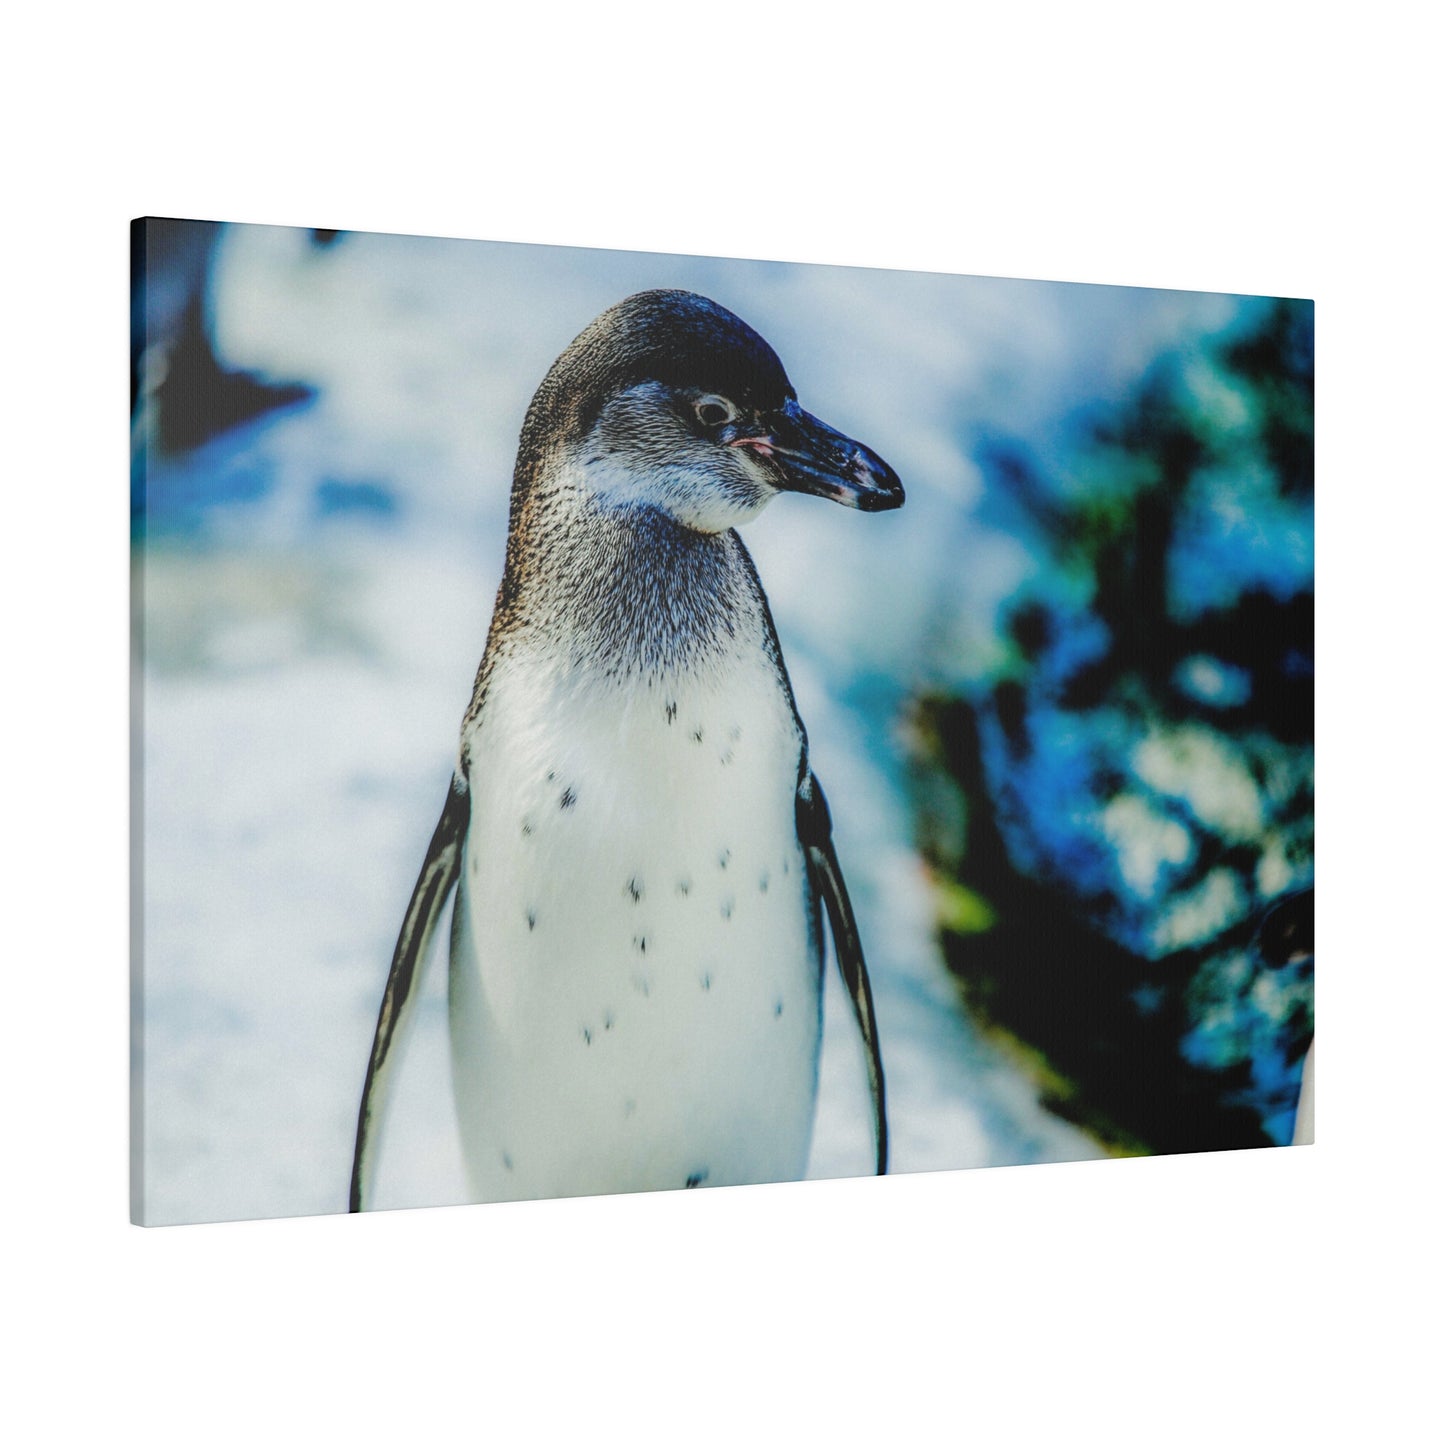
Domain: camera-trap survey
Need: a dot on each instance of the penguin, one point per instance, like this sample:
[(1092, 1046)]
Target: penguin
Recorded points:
[(641, 852)]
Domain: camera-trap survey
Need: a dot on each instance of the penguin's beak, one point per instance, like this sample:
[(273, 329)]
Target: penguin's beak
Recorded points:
[(805, 454)]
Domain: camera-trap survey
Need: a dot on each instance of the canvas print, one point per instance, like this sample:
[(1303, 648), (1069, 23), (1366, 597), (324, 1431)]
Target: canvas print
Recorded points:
[(609, 721)]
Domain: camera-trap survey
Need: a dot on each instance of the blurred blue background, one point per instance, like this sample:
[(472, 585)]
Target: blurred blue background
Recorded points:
[(1062, 702)]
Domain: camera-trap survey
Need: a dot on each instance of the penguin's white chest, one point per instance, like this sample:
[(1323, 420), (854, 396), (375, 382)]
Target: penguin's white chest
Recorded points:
[(635, 976)]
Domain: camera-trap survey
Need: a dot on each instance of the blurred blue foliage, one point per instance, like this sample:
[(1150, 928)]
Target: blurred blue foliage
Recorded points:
[(1140, 761)]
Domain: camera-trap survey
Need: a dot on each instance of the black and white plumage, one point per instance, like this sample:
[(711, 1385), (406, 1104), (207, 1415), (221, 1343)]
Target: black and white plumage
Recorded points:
[(641, 852)]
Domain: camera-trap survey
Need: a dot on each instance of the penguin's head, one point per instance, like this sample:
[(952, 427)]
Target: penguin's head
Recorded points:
[(667, 400)]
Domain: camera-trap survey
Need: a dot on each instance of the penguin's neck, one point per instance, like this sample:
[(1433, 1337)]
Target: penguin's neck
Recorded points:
[(627, 590)]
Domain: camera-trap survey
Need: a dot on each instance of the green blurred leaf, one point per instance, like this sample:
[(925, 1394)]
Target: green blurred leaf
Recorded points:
[(961, 910)]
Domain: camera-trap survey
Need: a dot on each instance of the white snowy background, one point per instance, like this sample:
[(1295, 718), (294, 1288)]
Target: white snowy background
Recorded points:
[(306, 664)]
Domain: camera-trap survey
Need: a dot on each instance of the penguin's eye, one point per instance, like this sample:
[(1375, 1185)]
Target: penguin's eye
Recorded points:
[(714, 411)]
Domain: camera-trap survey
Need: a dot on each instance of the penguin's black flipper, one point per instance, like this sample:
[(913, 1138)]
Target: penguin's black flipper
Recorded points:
[(438, 873), (815, 833)]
